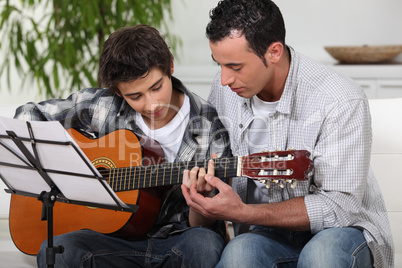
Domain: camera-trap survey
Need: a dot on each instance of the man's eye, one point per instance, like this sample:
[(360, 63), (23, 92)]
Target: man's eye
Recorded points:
[(236, 69), (137, 97)]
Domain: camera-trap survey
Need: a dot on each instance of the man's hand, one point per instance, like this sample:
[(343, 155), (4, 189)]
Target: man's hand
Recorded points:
[(226, 205)]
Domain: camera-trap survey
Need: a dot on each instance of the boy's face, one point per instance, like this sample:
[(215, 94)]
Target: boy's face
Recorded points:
[(242, 70), (153, 97)]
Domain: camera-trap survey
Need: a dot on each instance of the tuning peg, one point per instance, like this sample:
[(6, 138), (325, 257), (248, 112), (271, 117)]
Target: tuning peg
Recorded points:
[(266, 182), (279, 182)]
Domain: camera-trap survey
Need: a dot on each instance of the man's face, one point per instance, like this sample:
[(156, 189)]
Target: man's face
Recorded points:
[(151, 96), (242, 70)]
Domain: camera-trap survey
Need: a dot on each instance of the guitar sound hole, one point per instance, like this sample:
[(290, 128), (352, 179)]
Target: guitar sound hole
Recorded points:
[(103, 171)]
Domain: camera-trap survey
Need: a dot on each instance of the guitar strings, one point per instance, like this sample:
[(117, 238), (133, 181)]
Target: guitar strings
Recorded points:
[(163, 174), (138, 177)]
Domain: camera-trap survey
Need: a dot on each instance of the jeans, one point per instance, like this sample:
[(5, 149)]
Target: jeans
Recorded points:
[(196, 247), (265, 247)]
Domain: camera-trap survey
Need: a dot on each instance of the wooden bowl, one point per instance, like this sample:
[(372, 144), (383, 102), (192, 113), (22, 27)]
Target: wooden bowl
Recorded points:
[(364, 54)]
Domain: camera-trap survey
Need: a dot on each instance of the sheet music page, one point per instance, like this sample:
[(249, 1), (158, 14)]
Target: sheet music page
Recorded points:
[(60, 158)]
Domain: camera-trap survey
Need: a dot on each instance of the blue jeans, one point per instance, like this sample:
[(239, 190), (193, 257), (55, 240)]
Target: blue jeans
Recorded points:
[(265, 247), (196, 247)]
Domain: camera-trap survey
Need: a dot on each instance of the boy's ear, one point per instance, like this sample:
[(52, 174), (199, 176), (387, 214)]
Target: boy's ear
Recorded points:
[(172, 68), (117, 92)]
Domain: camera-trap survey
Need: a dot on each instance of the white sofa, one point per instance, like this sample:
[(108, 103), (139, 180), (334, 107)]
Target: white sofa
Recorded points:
[(386, 159)]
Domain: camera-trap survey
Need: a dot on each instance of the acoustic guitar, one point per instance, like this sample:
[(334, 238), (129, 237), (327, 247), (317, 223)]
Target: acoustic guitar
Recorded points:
[(134, 168)]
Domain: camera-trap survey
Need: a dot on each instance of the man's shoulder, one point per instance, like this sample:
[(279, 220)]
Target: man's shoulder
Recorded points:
[(323, 79)]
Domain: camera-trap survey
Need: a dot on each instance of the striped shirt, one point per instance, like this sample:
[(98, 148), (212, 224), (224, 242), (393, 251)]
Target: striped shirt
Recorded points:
[(100, 111), (327, 114)]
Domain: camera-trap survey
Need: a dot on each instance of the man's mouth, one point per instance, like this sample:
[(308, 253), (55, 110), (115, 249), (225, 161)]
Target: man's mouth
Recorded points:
[(235, 89)]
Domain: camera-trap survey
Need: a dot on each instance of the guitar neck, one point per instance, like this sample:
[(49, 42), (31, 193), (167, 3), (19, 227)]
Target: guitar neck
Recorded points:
[(140, 177)]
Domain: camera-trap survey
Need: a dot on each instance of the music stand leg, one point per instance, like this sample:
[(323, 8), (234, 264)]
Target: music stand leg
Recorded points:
[(48, 199)]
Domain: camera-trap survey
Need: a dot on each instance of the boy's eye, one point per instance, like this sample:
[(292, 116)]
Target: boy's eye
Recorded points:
[(137, 97), (157, 88), (236, 69)]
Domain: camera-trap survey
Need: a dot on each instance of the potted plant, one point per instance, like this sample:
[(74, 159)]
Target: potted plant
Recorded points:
[(56, 44)]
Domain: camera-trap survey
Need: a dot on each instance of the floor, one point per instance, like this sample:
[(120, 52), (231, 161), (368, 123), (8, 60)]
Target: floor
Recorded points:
[(10, 256)]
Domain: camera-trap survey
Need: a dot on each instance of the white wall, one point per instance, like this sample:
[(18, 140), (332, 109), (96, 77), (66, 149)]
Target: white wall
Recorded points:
[(311, 25)]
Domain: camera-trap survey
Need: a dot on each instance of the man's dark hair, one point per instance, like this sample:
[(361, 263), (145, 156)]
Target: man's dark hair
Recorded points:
[(260, 21), (130, 53)]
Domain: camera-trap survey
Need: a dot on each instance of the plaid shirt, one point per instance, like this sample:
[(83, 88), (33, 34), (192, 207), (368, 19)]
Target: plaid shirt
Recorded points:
[(328, 115), (100, 111)]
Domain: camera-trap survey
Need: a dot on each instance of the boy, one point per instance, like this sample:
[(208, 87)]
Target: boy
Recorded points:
[(141, 95)]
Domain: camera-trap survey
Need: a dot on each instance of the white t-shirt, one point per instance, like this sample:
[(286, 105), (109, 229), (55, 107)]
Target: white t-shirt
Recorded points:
[(171, 135), (259, 140), (259, 133)]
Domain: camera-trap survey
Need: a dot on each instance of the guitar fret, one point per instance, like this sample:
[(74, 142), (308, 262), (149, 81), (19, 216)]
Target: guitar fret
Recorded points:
[(120, 183), (171, 171), (157, 173), (138, 179), (150, 177), (125, 179), (164, 170), (145, 174), (112, 180), (226, 162), (178, 174)]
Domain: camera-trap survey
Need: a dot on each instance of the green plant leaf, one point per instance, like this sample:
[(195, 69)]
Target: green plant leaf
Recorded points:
[(57, 43)]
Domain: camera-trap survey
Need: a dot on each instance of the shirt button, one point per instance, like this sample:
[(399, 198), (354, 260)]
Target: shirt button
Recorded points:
[(240, 125)]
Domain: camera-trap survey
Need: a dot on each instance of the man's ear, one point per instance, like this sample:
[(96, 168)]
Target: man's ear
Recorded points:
[(274, 52), (172, 68)]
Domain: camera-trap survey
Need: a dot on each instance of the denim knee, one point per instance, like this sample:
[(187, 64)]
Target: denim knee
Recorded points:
[(336, 247), (257, 250), (200, 247)]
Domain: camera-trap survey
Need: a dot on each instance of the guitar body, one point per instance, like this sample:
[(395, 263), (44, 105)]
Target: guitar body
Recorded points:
[(121, 148)]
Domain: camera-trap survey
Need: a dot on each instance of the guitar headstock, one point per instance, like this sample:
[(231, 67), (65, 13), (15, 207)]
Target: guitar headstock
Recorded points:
[(278, 167)]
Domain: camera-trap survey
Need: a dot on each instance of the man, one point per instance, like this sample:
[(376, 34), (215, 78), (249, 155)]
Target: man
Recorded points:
[(269, 97), (141, 95)]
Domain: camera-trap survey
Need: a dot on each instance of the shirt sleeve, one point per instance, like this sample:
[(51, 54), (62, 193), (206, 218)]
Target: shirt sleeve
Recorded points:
[(89, 109), (50, 110), (341, 161)]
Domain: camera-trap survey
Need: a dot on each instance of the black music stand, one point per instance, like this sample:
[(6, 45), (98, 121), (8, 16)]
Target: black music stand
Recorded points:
[(24, 154)]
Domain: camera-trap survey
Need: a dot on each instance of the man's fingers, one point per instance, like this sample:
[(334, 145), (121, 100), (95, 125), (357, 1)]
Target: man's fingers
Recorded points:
[(215, 181)]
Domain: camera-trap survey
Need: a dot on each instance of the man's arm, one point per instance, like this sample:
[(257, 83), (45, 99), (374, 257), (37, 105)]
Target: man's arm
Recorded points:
[(227, 205)]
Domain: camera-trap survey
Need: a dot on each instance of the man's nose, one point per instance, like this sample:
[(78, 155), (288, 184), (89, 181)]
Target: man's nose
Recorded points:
[(227, 77)]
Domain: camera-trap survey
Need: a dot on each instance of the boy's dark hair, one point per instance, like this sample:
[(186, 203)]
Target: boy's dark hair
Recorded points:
[(130, 53), (260, 21)]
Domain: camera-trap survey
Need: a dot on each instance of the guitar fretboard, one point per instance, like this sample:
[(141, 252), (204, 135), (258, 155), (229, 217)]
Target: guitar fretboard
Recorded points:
[(140, 177)]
